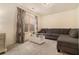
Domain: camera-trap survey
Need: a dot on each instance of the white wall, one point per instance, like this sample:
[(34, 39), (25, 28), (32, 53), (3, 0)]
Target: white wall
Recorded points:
[(78, 17), (8, 22), (39, 22), (66, 19)]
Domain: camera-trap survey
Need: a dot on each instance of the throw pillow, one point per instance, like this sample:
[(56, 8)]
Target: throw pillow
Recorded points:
[(73, 33)]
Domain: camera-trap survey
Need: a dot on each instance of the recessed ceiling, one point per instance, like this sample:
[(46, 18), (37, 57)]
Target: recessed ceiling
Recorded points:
[(43, 9)]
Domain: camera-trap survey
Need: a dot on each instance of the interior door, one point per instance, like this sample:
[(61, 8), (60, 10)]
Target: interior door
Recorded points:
[(20, 25)]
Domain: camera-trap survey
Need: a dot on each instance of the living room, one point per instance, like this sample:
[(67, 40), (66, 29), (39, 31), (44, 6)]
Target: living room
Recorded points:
[(45, 28)]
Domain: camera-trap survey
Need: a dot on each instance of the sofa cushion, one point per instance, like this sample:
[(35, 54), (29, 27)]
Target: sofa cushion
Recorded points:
[(73, 33), (71, 42), (67, 38), (59, 31), (52, 34)]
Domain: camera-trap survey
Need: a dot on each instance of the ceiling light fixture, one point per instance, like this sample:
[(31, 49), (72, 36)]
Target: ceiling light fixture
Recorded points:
[(47, 4)]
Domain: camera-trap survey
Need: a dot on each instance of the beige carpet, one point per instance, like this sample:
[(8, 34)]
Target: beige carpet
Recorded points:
[(29, 48)]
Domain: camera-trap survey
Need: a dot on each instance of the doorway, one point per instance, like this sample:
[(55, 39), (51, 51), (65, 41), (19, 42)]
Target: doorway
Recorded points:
[(20, 25)]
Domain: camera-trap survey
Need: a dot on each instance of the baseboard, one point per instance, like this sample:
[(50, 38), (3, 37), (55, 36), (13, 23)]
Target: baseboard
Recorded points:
[(11, 46)]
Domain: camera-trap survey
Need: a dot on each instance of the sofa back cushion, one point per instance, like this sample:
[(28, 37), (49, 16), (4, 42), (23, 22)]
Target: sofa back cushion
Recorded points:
[(73, 33), (58, 30), (54, 30)]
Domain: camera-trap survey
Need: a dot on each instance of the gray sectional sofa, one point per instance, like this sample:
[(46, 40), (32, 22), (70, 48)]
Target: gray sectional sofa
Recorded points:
[(67, 39)]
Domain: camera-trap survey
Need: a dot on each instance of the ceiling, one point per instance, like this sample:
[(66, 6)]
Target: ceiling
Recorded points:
[(44, 9)]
